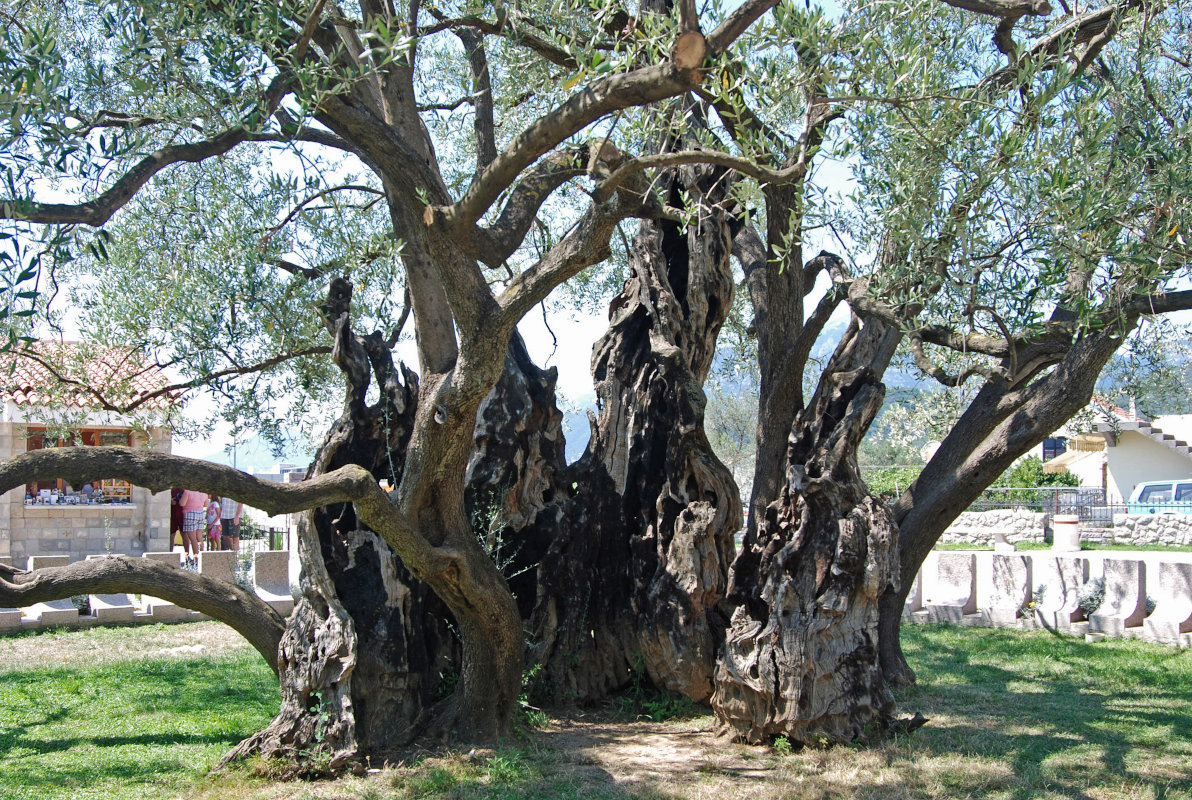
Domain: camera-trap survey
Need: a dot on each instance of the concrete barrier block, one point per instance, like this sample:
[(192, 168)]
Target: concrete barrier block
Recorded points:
[(1061, 578), (163, 610), (1009, 590), (218, 564), (51, 613), (110, 609), (10, 618), (1172, 618), (42, 562), (950, 590), (271, 579), (1124, 606)]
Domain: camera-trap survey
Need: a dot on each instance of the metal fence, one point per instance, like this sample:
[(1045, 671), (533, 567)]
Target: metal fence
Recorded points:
[(1087, 503)]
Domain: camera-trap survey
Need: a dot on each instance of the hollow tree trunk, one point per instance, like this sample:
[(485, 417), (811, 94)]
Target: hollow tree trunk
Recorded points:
[(800, 658), (636, 574), (1005, 421), (515, 472), (367, 646)]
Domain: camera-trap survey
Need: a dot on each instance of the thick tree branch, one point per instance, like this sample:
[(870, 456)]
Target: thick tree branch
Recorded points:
[(583, 247), (99, 210), (247, 614), (1160, 303), (159, 472), (1004, 8), (482, 99), (736, 24), (606, 95), (499, 241)]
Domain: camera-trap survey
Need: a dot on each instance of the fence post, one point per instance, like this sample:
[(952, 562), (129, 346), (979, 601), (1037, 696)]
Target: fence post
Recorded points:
[(274, 539)]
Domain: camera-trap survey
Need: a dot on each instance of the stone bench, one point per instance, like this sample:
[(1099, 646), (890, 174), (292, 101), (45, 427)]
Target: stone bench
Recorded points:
[(10, 618), (1061, 578), (1172, 621), (1003, 588), (52, 612), (1124, 607), (163, 610), (218, 564), (110, 609), (950, 590)]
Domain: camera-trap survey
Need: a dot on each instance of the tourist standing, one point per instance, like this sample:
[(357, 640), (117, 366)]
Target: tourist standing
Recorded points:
[(194, 508), (230, 511), (214, 525)]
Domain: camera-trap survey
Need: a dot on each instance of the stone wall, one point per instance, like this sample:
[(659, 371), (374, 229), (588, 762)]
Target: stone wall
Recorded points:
[(80, 531), (979, 527), (1168, 529)]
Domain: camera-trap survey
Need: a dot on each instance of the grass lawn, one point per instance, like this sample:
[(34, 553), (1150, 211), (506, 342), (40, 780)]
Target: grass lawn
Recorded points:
[(124, 712), (119, 713)]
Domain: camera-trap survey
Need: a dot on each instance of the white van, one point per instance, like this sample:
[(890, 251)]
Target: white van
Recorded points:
[(1162, 497)]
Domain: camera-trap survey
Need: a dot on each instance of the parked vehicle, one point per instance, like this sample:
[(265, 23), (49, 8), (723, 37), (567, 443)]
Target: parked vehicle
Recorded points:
[(1161, 497)]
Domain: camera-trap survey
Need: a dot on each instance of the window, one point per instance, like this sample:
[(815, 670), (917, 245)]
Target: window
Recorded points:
[(1183, 492), (1159, 493), (88, 437), (1054, 446)]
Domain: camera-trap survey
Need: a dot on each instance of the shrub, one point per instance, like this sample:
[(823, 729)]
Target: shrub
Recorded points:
[(1091, 595)]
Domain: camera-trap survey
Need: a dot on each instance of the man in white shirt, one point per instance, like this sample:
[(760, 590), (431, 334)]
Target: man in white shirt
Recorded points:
[(230, 511)]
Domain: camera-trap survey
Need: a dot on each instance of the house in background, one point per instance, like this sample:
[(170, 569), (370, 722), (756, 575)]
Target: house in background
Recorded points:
[(40, 410), (1122, 450)]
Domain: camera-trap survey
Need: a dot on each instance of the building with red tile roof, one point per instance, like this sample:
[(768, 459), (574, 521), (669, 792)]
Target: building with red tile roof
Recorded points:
[(64, 394)]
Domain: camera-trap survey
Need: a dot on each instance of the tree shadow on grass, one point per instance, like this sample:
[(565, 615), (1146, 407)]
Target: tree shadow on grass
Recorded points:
[(1056, 717), (130, 723)]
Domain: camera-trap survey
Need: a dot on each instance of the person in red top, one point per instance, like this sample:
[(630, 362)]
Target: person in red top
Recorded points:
[(194, 522)]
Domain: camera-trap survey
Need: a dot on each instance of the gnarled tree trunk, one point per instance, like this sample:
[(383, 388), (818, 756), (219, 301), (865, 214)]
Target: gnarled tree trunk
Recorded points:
[(636, 575), (800, 659), (367, 646)]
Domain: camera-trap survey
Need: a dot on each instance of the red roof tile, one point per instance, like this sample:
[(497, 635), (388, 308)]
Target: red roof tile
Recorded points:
[(51, 372)]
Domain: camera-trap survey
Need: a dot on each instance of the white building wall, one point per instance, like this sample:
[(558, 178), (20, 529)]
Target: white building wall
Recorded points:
[(1137, 459)]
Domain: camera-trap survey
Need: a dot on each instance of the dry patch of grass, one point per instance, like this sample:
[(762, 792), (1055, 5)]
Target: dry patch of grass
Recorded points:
[(104, 644)]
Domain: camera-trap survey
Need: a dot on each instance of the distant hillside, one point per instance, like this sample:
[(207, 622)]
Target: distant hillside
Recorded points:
[(257, 455)]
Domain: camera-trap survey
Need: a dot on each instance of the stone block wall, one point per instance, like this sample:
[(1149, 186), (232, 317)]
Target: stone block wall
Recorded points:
[(980, 527), (1168, 529)]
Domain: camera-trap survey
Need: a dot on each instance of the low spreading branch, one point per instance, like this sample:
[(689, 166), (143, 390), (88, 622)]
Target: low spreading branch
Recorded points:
[(247, 614), (159, 472)]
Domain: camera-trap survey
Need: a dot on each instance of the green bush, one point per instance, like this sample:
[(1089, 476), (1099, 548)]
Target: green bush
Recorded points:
[(890, 482), (1028, 473)]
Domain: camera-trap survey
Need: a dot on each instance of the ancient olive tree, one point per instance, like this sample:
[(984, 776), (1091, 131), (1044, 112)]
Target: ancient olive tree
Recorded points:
[(1023, 206), (1019, 205), (114, 101)]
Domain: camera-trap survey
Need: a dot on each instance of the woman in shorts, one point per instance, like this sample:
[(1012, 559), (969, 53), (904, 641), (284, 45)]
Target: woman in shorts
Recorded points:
[(194, 513)]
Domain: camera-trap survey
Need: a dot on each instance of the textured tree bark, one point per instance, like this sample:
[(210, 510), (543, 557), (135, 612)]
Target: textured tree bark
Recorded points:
[(800, 658), (636, 575), (368, 645)]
